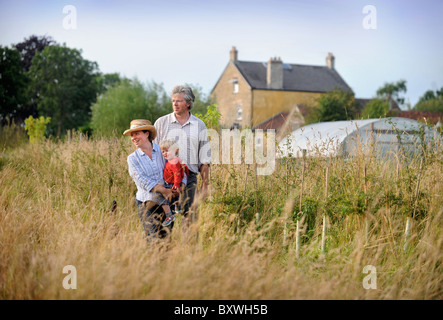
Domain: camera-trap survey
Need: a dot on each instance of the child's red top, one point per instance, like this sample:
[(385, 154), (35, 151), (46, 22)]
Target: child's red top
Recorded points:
[(174, 171)]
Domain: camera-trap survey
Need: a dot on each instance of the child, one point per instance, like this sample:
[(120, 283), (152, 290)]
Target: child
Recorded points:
[(173, 173)]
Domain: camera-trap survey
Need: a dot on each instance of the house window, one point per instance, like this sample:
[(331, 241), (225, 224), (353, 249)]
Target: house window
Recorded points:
[(239, 112), (235, 85)]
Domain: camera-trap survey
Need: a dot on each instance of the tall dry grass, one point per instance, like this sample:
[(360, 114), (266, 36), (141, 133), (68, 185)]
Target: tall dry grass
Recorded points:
[(55, 201)]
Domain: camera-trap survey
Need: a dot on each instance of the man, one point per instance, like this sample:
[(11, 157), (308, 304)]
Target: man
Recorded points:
[(191, 135)]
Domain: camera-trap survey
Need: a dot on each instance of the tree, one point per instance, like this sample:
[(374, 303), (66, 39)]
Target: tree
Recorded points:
[(430, 101), (64, 86), (333, 106), (129, 100), (108, 80), (392, 91), (13, 82), (375, 108), (29, 47)]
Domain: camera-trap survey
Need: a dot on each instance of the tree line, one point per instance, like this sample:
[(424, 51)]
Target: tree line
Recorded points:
[(39, 77), (342, 105)]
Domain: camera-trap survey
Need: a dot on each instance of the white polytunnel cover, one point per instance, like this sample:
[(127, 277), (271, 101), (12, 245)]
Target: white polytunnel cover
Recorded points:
[(384, 136)]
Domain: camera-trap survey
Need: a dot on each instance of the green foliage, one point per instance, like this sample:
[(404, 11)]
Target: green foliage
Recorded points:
[(12, 136), (129, 100), (36, 128), (236, 203), (375, 108), (30, 46), (309, 212), (107, 81), (211, 118), (392, 91), (13, 82), (14, 63), (430, 101), (429, 95), (334, 106), (64, 86)]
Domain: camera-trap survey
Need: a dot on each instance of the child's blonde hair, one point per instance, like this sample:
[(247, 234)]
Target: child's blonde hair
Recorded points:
[(168, 144)]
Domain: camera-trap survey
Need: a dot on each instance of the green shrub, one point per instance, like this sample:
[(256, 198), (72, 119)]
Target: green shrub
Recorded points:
[(36, 128), (211, 118)]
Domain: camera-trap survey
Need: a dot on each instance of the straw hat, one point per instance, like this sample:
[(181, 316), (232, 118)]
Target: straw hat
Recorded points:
[(139, 125)]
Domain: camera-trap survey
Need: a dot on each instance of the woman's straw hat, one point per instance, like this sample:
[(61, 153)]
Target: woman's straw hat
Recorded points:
[(139, 125)]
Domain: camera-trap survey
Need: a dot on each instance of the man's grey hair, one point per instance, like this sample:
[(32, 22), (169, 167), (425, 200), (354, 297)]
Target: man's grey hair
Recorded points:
[(189, 95)]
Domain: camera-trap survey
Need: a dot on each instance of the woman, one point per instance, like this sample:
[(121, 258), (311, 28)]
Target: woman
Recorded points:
[(145, 166)]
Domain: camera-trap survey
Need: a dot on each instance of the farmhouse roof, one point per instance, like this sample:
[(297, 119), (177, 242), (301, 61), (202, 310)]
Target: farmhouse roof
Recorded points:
[(296, 77)]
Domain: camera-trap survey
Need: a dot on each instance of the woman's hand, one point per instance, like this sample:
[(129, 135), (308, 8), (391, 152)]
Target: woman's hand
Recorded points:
[(166, 193)]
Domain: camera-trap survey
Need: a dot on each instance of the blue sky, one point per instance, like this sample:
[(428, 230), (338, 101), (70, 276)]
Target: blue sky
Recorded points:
[(173, 42)]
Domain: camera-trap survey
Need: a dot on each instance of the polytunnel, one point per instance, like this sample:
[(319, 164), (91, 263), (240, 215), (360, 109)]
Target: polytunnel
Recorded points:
[(386, 137)]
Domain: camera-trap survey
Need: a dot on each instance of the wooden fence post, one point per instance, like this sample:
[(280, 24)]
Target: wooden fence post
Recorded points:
[(323, 240)]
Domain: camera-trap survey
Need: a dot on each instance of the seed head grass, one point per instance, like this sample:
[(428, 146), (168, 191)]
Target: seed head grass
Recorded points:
[(55, 210)]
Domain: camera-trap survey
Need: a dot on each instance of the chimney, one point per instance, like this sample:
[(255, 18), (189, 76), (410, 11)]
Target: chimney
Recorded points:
[(274, 74), (233, 54), (330, 61)]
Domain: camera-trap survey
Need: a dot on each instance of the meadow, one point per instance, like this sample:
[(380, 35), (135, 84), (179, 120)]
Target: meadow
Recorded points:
[(55, 211)]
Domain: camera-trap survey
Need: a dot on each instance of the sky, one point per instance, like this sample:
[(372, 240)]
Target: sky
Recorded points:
[(173, 42)]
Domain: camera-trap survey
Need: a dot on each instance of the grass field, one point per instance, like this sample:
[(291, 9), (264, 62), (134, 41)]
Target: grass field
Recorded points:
[(55, 200)]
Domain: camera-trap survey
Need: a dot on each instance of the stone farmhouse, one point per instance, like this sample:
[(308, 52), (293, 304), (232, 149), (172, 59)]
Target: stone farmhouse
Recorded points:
[(266, 94)]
